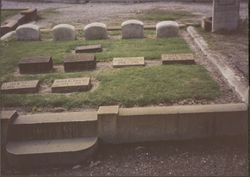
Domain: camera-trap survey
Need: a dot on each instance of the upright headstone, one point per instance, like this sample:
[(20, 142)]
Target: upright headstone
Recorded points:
[(94, 31), (165, 29), (28, 32), (225, 15), (64, 32), (132, 29)]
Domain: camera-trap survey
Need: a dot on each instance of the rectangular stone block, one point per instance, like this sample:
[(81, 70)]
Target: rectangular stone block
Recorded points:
[(20, 87), (89, 49), (178, 58), (35, 65), (71, 85), (79, 62), (128, 61)]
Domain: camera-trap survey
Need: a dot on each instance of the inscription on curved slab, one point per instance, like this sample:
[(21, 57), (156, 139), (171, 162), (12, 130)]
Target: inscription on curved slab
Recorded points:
[(129, 61), (20, 87), (71, 85)]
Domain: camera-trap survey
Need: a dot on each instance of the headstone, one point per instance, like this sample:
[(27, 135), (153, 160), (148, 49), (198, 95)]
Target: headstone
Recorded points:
[(178, 58), (88, 49), (71, 85), (206, 24), (129, 61), (167, 29), (95, 31), (225, 15), (36, 64), (20, 87), (28, 32), (79, 62), (132, 29), (64, 32), (30, 14)]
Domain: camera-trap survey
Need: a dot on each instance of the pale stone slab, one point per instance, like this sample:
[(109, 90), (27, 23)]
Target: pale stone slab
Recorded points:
[(28, 32), (89, 48), (71, 85), (185, 58), (132, 29), (129, 61), (20, 87)]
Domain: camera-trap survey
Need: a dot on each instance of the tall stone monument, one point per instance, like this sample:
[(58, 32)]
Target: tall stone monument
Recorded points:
[(225, 15)]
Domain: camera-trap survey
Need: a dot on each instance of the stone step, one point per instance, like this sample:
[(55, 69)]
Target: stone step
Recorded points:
[(53, 126), (50, 152)]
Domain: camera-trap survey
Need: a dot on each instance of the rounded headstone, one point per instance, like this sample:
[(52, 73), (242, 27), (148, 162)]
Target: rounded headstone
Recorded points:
[(28, 32), (95, 31), (64, 32), (132, 29), (166, 29)]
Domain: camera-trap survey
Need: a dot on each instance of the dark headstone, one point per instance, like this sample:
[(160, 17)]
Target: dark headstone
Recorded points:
[(178, 58), (79, 62), (88, 49), (20, 87), (206, 24), (38, 64), (30, 14), (71, 85)]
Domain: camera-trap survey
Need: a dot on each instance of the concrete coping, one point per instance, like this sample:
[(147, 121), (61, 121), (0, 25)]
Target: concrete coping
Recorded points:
[(129, 22), (186, 109), (8, 115), (95, 24), (108, 110)]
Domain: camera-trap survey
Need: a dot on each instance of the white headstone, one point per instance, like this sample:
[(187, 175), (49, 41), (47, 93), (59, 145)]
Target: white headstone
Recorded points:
[(64, 32), (95, 31), (28, 32), (132, 29), (167, 29)]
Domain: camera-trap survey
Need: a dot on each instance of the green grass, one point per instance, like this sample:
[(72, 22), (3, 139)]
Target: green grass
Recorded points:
[(129, 87), (161, 15), (6, 13), (11, 52)]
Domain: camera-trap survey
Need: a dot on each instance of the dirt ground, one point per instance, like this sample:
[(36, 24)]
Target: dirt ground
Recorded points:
[(217, 157)]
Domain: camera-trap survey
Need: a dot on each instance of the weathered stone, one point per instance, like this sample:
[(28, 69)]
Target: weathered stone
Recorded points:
[(88, 49), (167, 29), (71, 85), (132, 29), (8, 36), (95, 31), (79, 62), (20, 87), (28, 32), (185, 58), (129, 61), (64, 32), (30, 14), (225, 15), (206, 24), (37, 64)]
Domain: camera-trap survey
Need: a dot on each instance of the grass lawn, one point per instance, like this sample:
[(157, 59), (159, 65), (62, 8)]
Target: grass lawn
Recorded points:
[(128, 87), (6, 13), (13, 51)]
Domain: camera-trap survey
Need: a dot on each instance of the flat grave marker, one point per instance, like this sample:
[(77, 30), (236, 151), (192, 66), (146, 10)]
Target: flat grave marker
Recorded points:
[(185, 58), (20, 87), (36, 65), (128, 61), (79, 62), (88, 49), (71, 85)]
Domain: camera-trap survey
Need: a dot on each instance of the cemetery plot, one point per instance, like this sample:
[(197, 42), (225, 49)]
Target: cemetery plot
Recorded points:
[(178, 58), (71, 85), (36, 64), (79, 62), (88, 49), (20, 87), (129, 61)]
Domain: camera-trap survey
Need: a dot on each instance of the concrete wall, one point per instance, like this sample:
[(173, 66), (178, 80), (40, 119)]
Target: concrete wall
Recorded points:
[(173, 123)]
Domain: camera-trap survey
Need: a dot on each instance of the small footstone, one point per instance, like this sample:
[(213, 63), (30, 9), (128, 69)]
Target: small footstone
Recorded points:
[(71, 85), (89, 49), (79, 62), (129, 61), (36, 64), (20, 87), (186, 58)]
